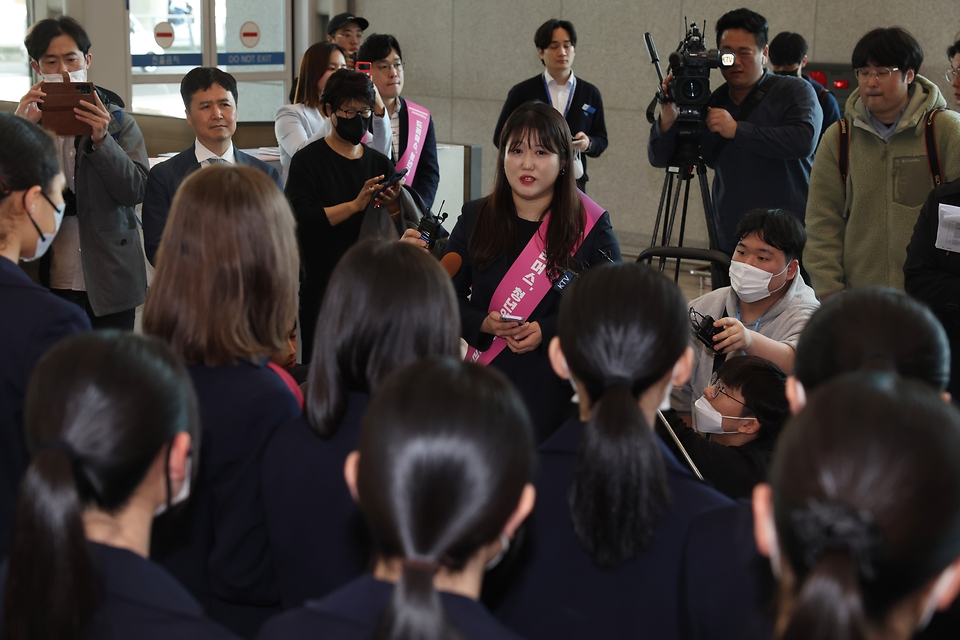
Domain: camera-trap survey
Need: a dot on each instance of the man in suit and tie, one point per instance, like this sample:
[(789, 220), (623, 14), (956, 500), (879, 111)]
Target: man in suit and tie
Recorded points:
[(210, 99)]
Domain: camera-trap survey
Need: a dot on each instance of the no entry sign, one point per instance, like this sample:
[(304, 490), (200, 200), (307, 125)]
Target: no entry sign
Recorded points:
[(249, 34), (163, 34)]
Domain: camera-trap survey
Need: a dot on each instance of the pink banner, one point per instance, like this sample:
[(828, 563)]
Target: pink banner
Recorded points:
[(418, 121), (526, 284)]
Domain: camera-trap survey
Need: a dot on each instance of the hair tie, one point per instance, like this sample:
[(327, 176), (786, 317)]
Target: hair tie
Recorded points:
[(612, 381), (63, 447), (421, 565), (824, 527)]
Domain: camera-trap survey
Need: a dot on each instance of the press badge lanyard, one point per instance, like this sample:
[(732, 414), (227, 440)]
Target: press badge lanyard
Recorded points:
[(573, 85), (756, 325)]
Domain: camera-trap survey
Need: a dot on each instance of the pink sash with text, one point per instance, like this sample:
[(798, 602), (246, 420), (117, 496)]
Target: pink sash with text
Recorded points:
[(526, 284), (418, 121)]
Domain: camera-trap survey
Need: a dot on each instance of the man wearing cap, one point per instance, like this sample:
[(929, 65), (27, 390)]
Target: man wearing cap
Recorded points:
[(346, 30)]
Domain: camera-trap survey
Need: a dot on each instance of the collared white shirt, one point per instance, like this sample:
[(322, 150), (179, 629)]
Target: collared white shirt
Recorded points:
[(395, 132), (204, 155), (559, 95)]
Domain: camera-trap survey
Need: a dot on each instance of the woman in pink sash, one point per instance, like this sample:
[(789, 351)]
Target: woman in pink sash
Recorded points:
[(520, 246)]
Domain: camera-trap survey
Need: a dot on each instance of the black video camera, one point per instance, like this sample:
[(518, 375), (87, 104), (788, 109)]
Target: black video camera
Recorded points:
[(703, 329)]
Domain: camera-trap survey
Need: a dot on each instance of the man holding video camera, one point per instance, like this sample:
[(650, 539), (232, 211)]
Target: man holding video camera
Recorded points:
[(759, 131)]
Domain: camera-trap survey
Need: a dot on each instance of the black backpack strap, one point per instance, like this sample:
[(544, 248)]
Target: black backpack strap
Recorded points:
[(843, 148), (766, 83), (933, 157)]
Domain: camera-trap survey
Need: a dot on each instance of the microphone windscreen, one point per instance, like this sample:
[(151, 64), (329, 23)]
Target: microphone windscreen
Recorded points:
[(674, 61), (452, 263)]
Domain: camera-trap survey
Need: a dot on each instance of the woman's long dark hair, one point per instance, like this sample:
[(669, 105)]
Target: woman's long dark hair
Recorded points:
[(852, 332), (445, 452), (387, 304), (314, 64), (622, 328), (99, 408), (866, 490), (495, 229)]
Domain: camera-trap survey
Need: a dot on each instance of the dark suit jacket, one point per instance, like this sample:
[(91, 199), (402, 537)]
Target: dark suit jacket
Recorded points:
[(31, 321), (428, 168), (141, 600), (163, 182), (559, 592), (318, 537), (352, 613), (218, 547), (578, 118)]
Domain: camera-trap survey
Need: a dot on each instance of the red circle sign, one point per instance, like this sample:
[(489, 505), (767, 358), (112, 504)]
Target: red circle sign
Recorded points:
[(249, 34), (163, 34)]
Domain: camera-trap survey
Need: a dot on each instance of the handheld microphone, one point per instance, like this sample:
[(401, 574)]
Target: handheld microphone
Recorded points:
[(452, 263)]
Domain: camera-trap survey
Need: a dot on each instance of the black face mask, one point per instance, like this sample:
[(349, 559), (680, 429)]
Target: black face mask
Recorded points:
[(352, 129)]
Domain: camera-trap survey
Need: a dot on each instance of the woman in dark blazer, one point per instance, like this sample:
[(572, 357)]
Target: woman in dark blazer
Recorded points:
[(225, 296), (613, 504), (102, 466), (32, 319), (443, 481), (535, 203), (388, 304)]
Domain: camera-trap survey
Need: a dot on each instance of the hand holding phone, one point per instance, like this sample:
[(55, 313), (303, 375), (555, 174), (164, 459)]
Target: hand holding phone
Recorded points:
[(365, 67), (506, 317)]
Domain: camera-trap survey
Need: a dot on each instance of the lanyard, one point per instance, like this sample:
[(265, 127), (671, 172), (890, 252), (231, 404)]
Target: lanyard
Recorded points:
[(573, 85), (756, 325)]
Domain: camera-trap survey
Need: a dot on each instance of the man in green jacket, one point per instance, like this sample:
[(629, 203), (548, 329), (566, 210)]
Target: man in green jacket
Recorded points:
[(858, 225)]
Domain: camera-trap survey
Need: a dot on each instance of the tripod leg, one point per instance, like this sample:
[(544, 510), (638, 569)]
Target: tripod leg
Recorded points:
[(665, 194), (718, 276), (683, 227), (668, 229)]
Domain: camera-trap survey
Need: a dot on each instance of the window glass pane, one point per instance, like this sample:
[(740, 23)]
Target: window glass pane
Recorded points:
[(251, 35), (175, 24), (15, 77), (157, 100)]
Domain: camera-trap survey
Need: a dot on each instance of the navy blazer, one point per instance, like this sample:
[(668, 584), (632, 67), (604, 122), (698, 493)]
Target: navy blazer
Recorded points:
[(31, 321), (727, 588), (164, 180), (352, 613), (546, 395), (218, 546), (141, 600), (427, 178), (559, 592), (318, 537), (579, 117)]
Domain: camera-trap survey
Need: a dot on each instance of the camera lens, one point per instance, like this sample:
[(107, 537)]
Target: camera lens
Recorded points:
[(691, 90)]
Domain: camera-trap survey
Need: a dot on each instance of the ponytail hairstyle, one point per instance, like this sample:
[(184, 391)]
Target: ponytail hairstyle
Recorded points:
[(495, 230), (622, 329), (866, 492), (99, 408), (446, 449), (852, 332), (387, 305)]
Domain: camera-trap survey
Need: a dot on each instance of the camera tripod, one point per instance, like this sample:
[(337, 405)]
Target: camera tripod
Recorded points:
[(677, 177)]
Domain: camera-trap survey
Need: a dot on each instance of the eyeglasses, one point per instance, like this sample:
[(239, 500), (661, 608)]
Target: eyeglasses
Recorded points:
[(349, 114), (882, 75), (952, 73), (384, 67), (717, 385), (350, 34)]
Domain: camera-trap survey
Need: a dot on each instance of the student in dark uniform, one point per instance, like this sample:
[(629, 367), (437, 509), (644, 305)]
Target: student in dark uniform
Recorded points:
[(861, 519), (333, 187), (388, 304), (614, 506), (532, 230), (32, 319), (443, 481), (111, 421), (225, 297)]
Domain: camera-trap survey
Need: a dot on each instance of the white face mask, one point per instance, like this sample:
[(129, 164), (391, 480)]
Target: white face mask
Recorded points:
[(184, 492), (750, 283), (75, 76), (706, 419), (46, 239)]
